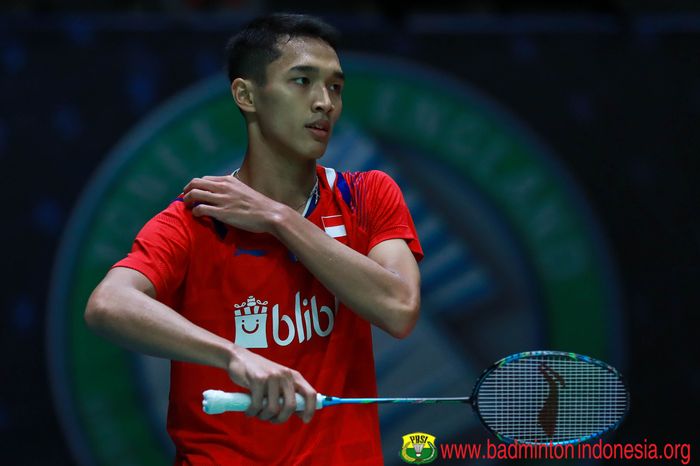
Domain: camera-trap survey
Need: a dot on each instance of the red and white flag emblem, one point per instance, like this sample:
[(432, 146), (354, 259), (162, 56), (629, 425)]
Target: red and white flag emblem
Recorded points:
[(334, 226)]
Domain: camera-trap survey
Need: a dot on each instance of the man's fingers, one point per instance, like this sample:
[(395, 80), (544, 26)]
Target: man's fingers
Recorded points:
[(273, 400), (217, 178), (199, 195), (256, 396), (201, 210), (290, 401), (307, 391), (310, 406), (201, 183)]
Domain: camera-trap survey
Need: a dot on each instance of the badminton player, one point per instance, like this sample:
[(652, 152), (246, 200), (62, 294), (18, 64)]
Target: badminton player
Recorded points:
[(267, 280)]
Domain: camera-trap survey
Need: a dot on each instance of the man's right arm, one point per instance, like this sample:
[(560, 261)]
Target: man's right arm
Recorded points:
[(124, 310)]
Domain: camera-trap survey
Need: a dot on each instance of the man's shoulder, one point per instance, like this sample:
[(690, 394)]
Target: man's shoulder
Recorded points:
[(374, 183), (357, 178), (176, 211), (179, 214)]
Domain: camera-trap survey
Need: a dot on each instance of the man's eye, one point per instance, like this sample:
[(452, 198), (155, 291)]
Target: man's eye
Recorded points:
[(301, 80), (337, 88)]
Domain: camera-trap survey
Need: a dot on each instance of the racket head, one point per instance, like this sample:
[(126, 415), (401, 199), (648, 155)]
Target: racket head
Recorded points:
[(550, 398)]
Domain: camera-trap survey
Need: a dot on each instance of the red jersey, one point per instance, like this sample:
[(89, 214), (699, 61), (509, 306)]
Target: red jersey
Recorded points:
[(249, 288)]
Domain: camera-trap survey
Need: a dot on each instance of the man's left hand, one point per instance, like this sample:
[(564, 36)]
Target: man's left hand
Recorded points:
[(230, 201)]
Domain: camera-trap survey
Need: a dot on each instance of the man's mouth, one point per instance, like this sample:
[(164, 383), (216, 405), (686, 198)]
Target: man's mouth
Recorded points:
[(319, 129), (323, 125)]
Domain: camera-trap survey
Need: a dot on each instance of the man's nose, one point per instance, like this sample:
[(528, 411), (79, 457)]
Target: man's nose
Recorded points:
[(322, 101)]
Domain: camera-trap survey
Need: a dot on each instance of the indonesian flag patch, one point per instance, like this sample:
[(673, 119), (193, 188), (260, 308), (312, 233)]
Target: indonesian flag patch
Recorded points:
[(334, 226)]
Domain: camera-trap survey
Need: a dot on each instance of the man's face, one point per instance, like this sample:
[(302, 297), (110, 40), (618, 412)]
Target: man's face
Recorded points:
[(301, 101)]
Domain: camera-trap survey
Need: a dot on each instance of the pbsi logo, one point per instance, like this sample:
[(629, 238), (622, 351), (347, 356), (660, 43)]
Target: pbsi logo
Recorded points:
[(418, 448), (309, 319)]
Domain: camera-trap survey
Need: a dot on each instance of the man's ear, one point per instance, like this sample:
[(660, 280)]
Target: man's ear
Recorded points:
[(242, 91)]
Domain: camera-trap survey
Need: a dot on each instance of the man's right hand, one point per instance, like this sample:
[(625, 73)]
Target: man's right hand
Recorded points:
[(267, 379)]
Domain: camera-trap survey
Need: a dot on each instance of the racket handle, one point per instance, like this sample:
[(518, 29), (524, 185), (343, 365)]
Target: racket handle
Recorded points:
[(217, 401)]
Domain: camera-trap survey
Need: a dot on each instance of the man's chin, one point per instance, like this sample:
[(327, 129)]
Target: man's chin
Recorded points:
[(317, 152), (320, 154)]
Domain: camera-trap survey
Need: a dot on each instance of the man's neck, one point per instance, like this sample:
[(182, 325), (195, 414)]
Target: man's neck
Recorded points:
[(280, 178)]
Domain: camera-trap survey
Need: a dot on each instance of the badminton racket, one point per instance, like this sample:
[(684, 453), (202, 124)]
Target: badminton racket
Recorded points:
[(535, 397)]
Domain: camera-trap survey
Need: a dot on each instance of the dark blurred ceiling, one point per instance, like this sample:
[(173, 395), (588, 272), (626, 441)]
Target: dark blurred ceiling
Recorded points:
[(389, 8)]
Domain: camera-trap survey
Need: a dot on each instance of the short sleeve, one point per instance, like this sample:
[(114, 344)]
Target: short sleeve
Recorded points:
[(387, 216), (161, 250)]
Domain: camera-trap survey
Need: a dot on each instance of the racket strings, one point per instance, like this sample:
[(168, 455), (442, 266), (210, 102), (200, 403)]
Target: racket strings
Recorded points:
[(552, 399)]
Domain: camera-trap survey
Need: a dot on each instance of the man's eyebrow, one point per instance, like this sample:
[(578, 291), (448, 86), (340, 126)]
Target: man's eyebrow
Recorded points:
[(315, 70)]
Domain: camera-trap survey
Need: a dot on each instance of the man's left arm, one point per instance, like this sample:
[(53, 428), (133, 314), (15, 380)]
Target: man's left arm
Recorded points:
[(382, 287)]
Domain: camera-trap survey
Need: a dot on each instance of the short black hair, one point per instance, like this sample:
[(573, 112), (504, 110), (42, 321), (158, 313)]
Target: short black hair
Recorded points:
[(250, 51)]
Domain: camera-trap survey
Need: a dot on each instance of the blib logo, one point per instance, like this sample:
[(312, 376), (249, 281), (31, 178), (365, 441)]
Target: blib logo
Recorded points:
[(418, 448), (309, 319)]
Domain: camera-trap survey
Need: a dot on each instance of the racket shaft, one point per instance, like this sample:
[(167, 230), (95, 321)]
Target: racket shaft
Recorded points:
[(330, 401)]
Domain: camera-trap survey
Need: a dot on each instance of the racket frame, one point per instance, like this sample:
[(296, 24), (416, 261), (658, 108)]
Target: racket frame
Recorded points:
[(530, 354)]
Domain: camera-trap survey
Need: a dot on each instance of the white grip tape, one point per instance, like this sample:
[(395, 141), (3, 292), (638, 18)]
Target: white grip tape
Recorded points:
[(217, 401)]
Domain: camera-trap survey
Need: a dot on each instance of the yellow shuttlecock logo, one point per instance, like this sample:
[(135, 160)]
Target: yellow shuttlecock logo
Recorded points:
[(418, 448)]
